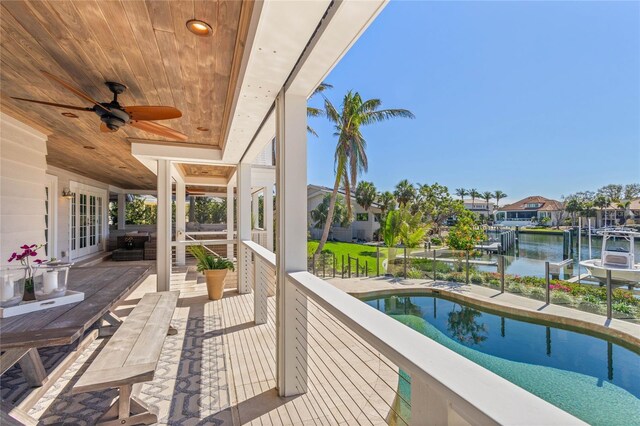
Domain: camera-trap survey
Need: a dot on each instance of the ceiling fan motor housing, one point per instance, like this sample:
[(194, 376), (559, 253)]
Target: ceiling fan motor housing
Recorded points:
[(114, 119)]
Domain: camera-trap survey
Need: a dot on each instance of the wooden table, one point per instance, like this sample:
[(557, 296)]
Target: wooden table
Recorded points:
[(104, 287)]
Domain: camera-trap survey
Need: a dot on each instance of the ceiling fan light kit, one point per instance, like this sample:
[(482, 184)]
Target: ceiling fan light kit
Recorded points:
[(114, 116)]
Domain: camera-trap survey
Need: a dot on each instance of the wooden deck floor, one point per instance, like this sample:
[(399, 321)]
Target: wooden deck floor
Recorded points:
[(220, 369)]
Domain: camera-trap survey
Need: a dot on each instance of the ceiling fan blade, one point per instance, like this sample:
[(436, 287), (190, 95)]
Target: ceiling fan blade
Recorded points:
[(105, 129), (158, 129), (72, 89), (53, 104), (152, 113)]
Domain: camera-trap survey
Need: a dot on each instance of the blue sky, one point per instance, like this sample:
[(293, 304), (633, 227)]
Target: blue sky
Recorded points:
[(532, 98)]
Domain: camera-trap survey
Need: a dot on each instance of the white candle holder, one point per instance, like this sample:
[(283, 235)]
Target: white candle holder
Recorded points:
[(52, 281), (11, 286)]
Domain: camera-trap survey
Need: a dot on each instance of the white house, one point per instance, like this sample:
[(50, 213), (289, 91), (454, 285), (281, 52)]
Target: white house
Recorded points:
[(480, 207), (239, 79), (362, 228)]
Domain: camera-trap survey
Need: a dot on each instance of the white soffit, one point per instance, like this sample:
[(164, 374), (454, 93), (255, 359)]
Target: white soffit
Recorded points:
[(341, 27), (284, 29)]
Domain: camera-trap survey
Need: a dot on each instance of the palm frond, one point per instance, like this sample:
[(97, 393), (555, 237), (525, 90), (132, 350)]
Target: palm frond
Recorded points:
[(386, 114)]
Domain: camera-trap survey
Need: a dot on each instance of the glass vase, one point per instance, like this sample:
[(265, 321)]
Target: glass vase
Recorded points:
[(11, 286), (51, 282)]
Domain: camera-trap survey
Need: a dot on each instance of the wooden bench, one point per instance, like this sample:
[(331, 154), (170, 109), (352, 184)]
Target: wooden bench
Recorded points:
[(130, 358)]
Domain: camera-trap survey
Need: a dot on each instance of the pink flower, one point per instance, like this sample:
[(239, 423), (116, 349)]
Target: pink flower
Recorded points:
[(25, 247), (32, 253), (38, 261)]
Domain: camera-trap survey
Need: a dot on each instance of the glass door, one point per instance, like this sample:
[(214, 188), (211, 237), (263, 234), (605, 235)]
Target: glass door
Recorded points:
[(86, 222)]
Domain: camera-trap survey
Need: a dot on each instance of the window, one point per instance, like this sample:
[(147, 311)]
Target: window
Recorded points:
[(377, 217), (533, 205), (362, 217)]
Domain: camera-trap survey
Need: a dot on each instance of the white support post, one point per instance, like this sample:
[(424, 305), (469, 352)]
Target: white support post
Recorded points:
[(230, 219), (181, 222), (255, 209), (244, 223), (260, 301), (122, 208), (163, 259), (291, 252), (268, 215), (431, 408)]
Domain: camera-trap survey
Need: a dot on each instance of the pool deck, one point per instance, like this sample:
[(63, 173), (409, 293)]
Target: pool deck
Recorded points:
[(624, 331)]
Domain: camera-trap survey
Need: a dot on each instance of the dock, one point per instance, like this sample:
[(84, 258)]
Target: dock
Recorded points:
[(471, 261), (493, 247), (579, 278)]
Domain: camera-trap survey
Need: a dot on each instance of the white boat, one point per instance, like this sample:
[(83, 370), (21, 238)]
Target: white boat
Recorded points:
[(618, 256)]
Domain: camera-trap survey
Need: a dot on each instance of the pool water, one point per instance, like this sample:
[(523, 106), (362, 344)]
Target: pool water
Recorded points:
[(595, 380)]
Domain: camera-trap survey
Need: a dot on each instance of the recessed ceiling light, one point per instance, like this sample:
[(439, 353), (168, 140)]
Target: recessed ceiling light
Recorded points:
[(88, 147), (122, 167), (203, 129), (199, 28), (69, 114)]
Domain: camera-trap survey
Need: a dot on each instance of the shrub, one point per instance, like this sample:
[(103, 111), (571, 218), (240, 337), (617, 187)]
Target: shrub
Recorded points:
[(494, 283), (414, 273), (561, 297), (436, 241), (476, 279), (515, 287), (537, 293), (622, 308)]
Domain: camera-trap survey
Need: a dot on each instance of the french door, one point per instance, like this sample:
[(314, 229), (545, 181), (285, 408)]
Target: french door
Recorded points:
[(87, 220)]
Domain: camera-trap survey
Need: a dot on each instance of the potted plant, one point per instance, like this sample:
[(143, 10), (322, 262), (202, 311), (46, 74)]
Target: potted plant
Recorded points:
[(214, 269), (28, 251)]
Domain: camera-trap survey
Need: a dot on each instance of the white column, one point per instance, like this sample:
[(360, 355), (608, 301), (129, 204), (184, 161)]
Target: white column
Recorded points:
[(230, 216), (255, 209), (291, 251), (163, 259), (268, 215), (181, 222), (122, 208), (244, 223)]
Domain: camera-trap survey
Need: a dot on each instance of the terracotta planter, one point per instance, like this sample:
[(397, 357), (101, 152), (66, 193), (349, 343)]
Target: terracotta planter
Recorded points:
[(215, 283)]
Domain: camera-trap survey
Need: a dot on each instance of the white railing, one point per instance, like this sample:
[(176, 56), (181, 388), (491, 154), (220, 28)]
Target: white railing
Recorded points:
[(259, 269), (259, 236), (446, 388)]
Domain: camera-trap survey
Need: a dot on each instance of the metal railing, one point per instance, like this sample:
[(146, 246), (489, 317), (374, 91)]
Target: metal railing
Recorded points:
[(445, 388)]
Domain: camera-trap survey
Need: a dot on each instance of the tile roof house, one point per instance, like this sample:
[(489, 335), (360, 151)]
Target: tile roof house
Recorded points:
[(523, 212)]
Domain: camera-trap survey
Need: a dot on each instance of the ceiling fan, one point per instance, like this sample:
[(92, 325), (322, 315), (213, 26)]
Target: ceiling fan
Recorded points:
[(115, 116)]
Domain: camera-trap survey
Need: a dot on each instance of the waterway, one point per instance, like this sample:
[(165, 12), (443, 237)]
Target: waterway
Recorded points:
[(528, 257)]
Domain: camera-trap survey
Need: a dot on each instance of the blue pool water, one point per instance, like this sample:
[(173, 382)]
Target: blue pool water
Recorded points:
[(595, 380)]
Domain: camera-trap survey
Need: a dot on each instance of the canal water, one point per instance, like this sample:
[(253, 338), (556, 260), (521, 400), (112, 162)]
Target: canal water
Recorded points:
[(533, 250)]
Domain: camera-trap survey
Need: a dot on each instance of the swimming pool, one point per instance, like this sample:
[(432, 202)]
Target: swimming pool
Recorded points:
[(594, 379)]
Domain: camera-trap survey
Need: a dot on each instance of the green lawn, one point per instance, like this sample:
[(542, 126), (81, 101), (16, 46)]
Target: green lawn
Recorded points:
[(363, 252), (541, 231)]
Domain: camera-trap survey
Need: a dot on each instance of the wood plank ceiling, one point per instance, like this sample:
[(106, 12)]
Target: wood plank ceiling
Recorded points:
[(199, 170), (142, 44)]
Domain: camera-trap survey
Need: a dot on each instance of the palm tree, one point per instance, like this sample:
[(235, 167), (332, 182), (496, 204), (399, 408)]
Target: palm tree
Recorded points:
[(405, 192), (487, 196), (366, 194), (474, 194), (387, 202), (350, 156), (316, 112), (461, 192), (499, 195)]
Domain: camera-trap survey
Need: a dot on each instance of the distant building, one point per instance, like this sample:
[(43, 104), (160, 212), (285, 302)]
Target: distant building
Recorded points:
[(480, 207), (364, 224), (614, 215), (528, 210)]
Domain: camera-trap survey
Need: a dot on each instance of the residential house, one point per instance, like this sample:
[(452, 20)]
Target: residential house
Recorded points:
[(362, 228), (615, 215), (480, 207), (239, 80), (527, 211)]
